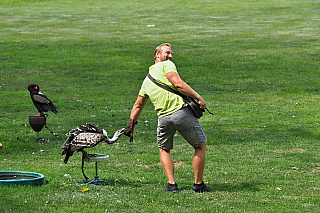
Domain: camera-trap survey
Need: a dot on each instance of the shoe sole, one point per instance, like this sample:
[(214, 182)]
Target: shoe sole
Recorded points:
[(173, 191), (206, 189)]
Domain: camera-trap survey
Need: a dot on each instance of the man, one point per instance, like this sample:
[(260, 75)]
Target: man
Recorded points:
[(173, 116)]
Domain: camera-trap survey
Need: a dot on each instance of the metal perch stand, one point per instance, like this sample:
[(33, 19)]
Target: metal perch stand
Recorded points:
[(93, 158)]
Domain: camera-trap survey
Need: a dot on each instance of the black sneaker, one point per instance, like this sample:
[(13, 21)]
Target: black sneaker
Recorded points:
[(171, 188), (198, 188)]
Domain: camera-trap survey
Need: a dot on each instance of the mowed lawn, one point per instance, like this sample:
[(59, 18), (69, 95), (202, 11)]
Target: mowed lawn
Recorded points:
[(255, 62)]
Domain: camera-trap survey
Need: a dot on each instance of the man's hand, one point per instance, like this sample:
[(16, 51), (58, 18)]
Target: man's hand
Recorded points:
[(202, 103), (128, 131)]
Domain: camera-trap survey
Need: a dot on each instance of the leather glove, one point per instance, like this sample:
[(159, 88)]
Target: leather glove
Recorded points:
[(128, 131)]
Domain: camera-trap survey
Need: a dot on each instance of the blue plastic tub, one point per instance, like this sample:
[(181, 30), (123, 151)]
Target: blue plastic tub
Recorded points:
[(13, 178)]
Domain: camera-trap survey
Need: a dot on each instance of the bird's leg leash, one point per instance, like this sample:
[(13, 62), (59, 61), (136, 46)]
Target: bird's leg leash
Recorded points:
[(55, 134)]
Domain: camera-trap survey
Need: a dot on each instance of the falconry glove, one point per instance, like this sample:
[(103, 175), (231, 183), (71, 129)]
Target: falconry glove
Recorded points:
[(128, 131)]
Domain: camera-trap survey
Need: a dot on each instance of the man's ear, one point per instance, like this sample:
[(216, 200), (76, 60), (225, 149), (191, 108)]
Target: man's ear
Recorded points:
[(157, 56)]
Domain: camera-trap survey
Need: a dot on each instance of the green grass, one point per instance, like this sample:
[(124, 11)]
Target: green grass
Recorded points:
[(256, 63)]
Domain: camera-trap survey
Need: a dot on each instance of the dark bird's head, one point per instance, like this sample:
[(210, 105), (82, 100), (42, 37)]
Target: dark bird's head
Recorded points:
[(33, 88), (115, 137)]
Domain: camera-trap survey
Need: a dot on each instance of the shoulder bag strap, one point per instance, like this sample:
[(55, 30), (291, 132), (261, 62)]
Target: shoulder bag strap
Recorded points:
[(166, 87), (171, 90)]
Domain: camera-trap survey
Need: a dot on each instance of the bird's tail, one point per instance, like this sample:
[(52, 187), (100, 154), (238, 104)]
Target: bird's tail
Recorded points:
[(66, 159), (68, 155)]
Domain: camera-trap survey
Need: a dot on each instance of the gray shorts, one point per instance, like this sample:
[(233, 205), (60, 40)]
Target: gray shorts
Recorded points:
[(185, 123)]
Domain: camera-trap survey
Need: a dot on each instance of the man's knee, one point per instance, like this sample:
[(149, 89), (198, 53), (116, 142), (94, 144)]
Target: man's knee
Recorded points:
[(202, 146)]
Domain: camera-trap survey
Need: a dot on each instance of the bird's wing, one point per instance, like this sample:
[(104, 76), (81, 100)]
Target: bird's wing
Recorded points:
[(87, 139), (71, 136), (89, 128), (41, 99)]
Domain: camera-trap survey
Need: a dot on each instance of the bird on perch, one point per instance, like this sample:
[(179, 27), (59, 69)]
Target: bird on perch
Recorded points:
[(42, 102), (86, 136)]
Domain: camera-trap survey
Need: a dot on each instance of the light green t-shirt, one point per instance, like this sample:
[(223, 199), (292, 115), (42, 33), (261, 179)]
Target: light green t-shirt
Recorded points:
[(165, 102)]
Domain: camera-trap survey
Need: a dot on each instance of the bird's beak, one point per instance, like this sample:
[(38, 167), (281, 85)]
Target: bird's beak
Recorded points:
[(35, 87)]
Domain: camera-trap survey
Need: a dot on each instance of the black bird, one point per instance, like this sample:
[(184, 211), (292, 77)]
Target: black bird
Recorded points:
[(41, 101), (86, 136)]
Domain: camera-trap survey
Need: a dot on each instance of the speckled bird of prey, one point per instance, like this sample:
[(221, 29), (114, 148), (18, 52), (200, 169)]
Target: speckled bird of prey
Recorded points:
[(86, 136)]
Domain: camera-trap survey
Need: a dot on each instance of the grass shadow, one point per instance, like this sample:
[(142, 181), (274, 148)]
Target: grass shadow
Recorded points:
[(226, 187), (240, 187)]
